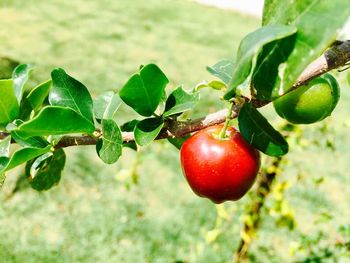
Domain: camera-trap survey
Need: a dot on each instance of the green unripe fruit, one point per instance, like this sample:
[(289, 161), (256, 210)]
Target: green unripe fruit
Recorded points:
[(309, 103)]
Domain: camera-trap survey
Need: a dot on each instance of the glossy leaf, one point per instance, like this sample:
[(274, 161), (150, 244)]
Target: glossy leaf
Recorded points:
[(144, 90), (266, 72), (281, 11), (112, 107), (106, 105), (54, 139), (258, 132), (34, 100), (9, 108), (129, 126), (20, 77), (276, 11), (69, 92), (147, 130), (53, 120), (109, 147), (317, 22), (38, 95), (101, 103), (45, 171), (249, 49), (3, 163), (223, 70), (130, 145), (23, 155), (35, 141), (5, 147), (25, 110), (217, 85), (214, 84), (177, 142), (163, 97), (179, 101)]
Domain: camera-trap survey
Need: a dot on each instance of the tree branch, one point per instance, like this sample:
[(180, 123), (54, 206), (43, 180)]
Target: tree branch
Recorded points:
[(336, 56), (175, 129)]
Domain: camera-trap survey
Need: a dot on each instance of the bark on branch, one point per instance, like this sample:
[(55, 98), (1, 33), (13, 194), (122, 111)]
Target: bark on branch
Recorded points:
[(337, 56)]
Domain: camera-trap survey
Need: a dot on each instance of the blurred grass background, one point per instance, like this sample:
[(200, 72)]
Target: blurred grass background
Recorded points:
[(141, 209)]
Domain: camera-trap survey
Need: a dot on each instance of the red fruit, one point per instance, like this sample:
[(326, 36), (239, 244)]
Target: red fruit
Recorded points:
[(219, 169)]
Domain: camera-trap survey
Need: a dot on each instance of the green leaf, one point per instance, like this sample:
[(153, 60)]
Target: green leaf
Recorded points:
[(179, 101), (249, 49), (163, 97), (317, 21), (5, 147), (223, 70), (45, 171), (266, 72), (25, 110), (101, 103), (214, 84), (283, 12), (276, 11), (23, 155), (53, 120), (177, 142), (129, 126), (20, 77), (9, 108), (3, 163), (54, 139), (147, 130), (144, 90), (109, 147), (38, 95), (217, 85), (258, 132), (131, 145), (112, 107), (106, 105), (34, 100), (35, 141), (69, 92)]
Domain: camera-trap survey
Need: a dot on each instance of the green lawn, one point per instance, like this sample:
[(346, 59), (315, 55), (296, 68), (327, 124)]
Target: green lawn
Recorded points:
[(141, 209)]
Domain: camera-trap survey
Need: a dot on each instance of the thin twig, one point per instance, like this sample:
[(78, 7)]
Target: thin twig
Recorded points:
[(175, 129)]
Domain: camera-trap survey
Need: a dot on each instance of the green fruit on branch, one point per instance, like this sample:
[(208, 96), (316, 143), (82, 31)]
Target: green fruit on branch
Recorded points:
[(309, 103)]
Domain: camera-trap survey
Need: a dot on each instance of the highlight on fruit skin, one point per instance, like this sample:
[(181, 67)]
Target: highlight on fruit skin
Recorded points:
[(309, 103), (219, 169)]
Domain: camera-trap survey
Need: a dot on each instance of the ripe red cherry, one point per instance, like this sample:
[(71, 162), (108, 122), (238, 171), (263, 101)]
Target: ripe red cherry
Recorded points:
[(219, 169)]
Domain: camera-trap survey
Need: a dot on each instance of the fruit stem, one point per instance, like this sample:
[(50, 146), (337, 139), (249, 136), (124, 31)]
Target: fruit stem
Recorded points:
[(222, 134)]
